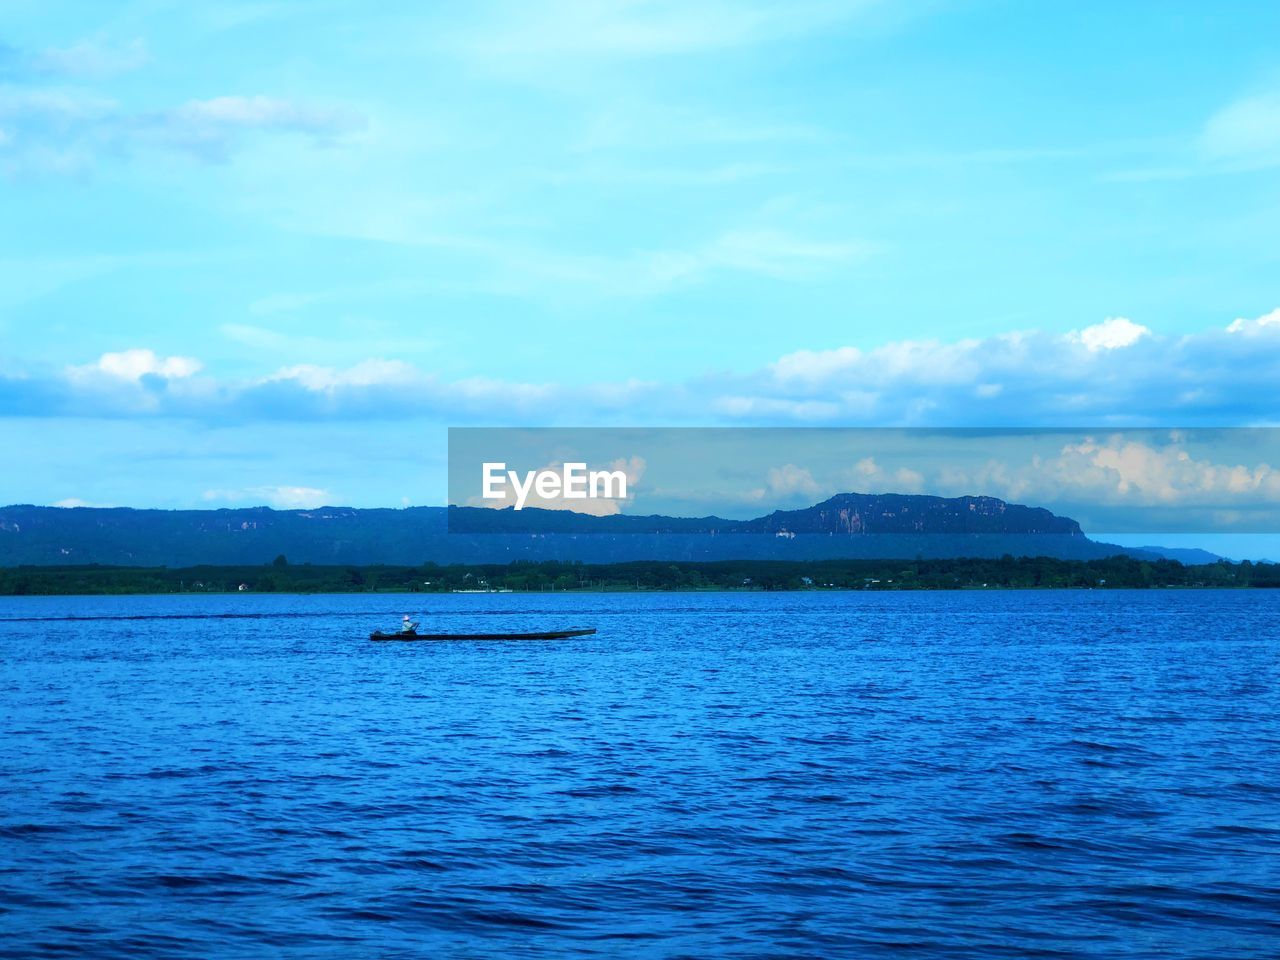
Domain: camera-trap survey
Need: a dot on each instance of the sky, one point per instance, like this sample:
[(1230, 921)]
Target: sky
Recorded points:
[(267, 252)]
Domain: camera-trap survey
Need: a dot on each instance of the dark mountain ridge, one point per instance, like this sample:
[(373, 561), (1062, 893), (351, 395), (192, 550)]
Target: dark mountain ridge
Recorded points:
[(856, 513), (861, 514), (847, 525)]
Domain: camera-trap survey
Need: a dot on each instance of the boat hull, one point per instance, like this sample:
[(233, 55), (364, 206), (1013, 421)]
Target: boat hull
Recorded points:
[(381, 637)]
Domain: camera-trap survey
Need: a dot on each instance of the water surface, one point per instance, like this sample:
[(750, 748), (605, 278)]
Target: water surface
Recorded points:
[(1021, 774)]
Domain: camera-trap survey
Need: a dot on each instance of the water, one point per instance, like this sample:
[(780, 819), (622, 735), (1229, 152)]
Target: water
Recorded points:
[(1058, 774)]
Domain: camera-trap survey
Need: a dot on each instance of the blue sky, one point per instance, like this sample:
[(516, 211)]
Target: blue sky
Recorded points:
[(268, 251)]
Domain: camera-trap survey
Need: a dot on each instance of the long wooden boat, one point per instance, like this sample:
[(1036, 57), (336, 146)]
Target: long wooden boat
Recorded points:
[(544, 635)]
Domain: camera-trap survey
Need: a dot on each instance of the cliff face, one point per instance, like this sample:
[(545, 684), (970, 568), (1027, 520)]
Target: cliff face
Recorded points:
[(848, 525), (862, 513)]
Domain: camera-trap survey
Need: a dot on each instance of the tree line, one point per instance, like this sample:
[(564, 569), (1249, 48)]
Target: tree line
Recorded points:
[(1007, 572)]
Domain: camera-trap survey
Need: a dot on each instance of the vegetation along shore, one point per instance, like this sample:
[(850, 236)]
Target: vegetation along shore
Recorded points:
[(1006, 572)]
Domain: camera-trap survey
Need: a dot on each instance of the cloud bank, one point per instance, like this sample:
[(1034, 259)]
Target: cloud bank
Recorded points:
[(1115, 372), (1116, 469), (62, 129)]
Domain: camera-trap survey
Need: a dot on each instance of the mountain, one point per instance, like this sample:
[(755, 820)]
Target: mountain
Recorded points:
[(1191, 556), (848, 525), (846, 513)]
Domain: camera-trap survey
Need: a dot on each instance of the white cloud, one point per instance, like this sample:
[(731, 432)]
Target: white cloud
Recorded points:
[(789, 479), (1246, 131), (90, 58), (1153, 470), (1116, 372), (1240, 137), (816, 364), (795, 485), (95, 58), (1114, 333), (929, 361), (779, 254), (281, 497), (765, 409), (367, 373), (215, 127), (1167, 474), (519, 268), (137, 363), (69, 503), (69, 130), (214, 117), (1268, 322), (868, 476), (1117, 470), (1117, 369)]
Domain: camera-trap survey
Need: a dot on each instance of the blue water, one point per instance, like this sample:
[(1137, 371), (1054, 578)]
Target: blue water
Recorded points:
[(1057, 774)]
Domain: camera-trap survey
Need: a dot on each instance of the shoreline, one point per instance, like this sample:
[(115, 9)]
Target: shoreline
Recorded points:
[(649, 592), (727, 576)]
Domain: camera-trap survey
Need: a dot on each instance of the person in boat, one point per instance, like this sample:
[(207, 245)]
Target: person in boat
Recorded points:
[(407, 625)]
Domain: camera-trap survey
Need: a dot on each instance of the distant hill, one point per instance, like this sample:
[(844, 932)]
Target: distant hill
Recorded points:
[(845, 526), (1191, 556), (861, 514)]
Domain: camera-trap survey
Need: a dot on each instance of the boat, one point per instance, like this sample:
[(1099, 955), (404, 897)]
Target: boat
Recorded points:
[(542, 635)]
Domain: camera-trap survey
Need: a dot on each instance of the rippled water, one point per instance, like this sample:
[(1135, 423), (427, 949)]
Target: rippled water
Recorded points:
[(931, 775)]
